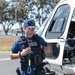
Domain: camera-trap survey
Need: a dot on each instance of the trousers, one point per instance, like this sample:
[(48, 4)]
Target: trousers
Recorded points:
[(42, 72)]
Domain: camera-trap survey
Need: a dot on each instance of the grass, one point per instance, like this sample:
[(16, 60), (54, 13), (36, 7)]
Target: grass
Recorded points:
[(6, 42)]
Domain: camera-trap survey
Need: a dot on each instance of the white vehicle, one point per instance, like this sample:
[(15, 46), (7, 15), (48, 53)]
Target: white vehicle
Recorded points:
[(59, 32)]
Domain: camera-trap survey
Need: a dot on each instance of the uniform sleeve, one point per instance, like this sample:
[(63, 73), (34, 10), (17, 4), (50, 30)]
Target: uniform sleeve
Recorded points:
[(42, 41), (15, 47)]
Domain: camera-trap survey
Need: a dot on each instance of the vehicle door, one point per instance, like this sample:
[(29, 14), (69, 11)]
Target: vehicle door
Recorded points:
[(55, 33)]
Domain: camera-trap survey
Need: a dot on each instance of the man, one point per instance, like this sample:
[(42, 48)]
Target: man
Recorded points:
[(31, 52)]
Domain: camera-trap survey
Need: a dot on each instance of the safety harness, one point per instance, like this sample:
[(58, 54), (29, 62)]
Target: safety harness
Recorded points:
[(36, 55)]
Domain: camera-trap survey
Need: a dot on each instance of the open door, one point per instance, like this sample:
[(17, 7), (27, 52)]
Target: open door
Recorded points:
[(55, 34), (60, 34)]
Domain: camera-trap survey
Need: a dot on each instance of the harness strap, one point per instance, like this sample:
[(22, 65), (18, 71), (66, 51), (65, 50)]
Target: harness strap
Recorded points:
[(24, 41)]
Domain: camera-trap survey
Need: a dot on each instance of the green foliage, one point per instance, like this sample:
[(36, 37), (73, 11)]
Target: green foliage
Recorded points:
[(3, 5), (19, 10)]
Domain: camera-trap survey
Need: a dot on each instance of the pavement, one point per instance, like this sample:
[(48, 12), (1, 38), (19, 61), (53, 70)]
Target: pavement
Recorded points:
[(8, 66)]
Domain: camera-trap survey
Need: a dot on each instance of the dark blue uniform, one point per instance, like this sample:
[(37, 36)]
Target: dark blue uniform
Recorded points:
[(18, 46)]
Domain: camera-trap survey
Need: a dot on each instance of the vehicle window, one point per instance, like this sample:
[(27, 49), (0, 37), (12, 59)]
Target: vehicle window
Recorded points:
[(55, 27), (54, 53), (58, 23)]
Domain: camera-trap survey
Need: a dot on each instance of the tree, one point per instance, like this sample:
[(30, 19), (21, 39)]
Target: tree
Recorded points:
[(43, 9), (5, 18), (55, 1), (17, 11), (21, 9)]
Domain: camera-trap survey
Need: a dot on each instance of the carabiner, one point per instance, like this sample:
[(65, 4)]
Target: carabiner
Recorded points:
[(29, 70)]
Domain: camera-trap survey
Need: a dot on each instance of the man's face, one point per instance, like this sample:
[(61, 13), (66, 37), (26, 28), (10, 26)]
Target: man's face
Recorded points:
[(29, 31)]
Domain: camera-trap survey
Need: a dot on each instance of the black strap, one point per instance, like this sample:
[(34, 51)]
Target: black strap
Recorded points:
[(24, 41), (36, 38)]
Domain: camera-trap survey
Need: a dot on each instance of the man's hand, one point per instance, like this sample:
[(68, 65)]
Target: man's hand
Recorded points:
[(46, 48), (25, 51)]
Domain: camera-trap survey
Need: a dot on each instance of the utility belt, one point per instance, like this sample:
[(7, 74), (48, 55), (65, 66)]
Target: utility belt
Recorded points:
[(36, 67), (24, 68)]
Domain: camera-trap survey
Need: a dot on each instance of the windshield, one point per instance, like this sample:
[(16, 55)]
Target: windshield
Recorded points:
[(58, 23)]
